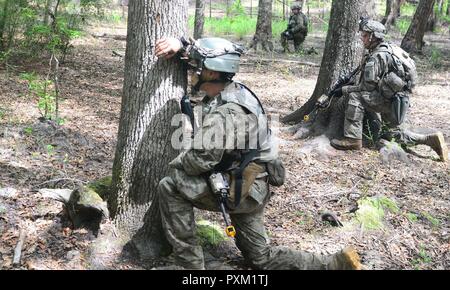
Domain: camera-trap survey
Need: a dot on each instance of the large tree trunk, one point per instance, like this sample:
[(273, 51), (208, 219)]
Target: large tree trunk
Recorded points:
[(152, 88), (413, 40), (343, 52), (392, 12), (199, 18), (263, 34)]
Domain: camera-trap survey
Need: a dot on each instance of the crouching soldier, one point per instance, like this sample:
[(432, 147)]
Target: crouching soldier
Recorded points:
[(388, 76), (234, 178)]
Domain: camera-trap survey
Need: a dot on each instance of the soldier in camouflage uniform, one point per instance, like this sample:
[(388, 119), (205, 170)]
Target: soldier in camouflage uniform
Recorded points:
[(382, 86), (297, 29), (186, 185)]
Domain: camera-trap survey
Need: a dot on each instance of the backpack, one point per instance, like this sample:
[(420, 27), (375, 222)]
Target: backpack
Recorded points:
[(406, 67)]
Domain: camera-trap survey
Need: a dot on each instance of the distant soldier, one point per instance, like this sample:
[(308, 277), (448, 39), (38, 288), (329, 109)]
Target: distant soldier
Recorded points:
[(388, 76), (297, 29)]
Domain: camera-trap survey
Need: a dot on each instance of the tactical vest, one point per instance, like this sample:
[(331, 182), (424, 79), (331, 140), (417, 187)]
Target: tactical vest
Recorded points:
[(239, 94)]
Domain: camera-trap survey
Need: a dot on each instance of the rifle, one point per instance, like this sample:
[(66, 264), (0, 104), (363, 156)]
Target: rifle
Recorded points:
[(217, 182), (324, 101), (186, 108), (342, 81)]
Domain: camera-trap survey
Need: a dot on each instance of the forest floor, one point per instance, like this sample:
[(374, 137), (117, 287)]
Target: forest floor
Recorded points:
[(415, 228)]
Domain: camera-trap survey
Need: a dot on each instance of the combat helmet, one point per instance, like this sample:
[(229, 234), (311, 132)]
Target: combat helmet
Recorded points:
[(217, 54), (296, 6), (372, 26)]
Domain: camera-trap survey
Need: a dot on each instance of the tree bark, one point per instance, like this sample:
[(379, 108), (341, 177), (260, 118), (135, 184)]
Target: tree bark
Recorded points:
[(263, 34), (432, 21), (413, 40), (48, 5), (151, 92), (3, 21), (392, 12), (440, 6), (343, 52), (199, 18)]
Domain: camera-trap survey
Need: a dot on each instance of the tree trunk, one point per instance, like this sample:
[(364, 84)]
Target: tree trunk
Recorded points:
[(432, 21), (48, 5), (392, 8), (199, 18), (440, 6), (263, 34), (343, 52), (151, 92), (413, 40), (3, 21)]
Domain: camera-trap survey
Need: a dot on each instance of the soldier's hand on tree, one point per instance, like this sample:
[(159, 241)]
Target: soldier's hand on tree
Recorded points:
[(167, 47)]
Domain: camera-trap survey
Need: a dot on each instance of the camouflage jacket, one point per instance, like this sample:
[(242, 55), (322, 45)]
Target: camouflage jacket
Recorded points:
[(224, 129), (375, 64), (298, 23)]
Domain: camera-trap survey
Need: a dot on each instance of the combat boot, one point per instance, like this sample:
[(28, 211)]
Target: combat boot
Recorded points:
[(437, 142), (346, 259), (347, 143)]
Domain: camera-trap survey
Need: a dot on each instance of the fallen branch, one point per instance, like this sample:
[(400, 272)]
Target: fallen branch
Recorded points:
[(113, 36), (61, 179), (116, 53), (248, 61), (18, 249)]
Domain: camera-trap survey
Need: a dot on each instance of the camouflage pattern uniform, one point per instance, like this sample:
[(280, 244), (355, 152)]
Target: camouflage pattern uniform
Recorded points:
[(186, 187), (298, 29), (367, 97)]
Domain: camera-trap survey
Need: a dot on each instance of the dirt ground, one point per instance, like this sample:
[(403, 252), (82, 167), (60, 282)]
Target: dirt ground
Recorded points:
[(36, 155)]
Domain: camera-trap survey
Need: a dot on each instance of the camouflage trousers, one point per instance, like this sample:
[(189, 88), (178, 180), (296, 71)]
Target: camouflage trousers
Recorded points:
[(179, 193), (379, 112), (298, 39)]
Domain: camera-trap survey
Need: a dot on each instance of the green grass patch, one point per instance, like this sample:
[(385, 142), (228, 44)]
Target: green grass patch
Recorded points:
[(2, 113), (407, 9), (402, 24), (303, 218), (315, 4), (209, 233), (435, 58), (238, 26), (28, 131), (371, 211), (422, 260), (412, 217), (434, 221)]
